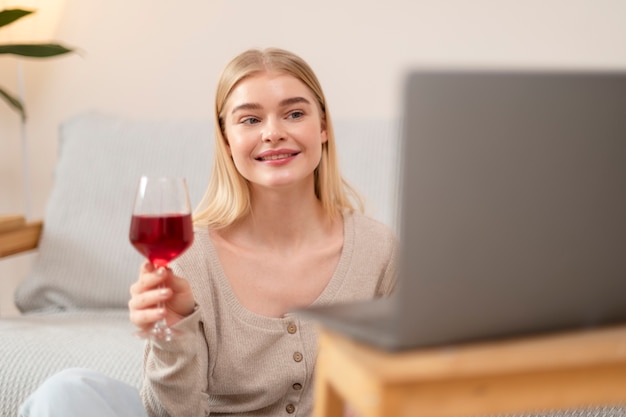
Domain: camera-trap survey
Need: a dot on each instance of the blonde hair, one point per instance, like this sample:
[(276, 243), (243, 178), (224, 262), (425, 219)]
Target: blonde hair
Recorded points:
[(227, 198)]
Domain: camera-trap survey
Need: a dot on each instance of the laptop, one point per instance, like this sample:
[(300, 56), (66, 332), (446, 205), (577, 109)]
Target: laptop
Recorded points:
[(513, 210)]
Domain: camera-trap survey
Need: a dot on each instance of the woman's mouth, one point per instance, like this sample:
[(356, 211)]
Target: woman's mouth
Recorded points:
[(275, 157)]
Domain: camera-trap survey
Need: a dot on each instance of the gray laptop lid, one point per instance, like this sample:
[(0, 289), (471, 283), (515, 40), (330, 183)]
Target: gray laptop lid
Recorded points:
[(514, 204)]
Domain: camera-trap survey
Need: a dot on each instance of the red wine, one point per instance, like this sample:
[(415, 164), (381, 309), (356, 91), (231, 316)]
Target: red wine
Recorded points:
[(161, 238)]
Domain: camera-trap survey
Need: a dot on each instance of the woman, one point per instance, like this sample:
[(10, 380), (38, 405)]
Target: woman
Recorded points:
[(278, 229)]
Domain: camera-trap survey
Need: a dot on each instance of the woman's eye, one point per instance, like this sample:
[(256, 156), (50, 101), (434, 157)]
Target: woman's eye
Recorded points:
[(296, 114), (250, 120)]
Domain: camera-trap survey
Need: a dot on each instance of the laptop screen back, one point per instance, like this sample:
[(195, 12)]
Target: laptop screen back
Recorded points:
[(513, 203)]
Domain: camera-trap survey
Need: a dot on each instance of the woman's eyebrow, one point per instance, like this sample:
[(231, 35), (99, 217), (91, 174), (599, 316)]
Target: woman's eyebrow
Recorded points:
[(294, 100), (257, 106), (246, 106)]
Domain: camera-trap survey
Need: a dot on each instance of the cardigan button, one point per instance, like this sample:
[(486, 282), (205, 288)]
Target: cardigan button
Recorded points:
[(292, 328), (290, 408), (297, 386), (297, 357)]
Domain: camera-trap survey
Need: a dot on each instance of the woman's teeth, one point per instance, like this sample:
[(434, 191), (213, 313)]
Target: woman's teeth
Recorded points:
[(275, 157)]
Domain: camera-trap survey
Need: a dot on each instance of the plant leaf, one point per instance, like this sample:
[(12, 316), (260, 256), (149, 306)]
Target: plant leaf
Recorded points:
[(11, 15), (15, 103), (42, 50)]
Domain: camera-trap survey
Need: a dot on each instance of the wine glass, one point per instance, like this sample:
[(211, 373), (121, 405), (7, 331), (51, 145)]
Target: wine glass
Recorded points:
[(161, 230)]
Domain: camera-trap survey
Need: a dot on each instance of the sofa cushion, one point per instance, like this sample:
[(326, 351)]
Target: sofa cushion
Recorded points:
[(35, 347), (85, 259)]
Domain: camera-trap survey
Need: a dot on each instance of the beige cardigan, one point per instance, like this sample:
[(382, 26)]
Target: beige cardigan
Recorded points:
[(230, 361)]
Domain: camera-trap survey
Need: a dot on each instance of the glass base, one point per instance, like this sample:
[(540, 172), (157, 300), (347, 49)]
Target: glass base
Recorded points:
[(159, 332)]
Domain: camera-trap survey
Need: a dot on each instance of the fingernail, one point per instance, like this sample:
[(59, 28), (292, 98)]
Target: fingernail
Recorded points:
[(161, 271), (163, 291)]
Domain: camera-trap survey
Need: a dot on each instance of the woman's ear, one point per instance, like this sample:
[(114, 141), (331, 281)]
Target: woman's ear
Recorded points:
[(226, 143), (224, 137), (227, 146), (324, 135)]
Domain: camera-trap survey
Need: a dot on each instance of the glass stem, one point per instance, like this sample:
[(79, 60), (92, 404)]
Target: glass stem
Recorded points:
[(160, 330)]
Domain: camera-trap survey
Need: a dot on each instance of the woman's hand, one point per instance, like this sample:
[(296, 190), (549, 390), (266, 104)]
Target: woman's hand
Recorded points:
[(175, 297)]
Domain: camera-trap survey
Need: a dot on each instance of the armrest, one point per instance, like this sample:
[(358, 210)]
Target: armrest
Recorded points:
[(18, 236)]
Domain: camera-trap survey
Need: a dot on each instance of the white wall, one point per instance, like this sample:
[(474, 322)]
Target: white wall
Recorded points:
[(158, 58)]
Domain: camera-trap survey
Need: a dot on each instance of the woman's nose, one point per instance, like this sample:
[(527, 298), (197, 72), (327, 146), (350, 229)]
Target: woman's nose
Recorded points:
[(272, 131)]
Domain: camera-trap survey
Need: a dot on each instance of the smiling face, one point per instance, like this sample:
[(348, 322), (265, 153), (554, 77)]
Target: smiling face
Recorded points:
[(274, 130)]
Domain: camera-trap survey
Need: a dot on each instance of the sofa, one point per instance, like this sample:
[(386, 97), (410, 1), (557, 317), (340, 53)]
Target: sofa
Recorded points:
[(74, 301)]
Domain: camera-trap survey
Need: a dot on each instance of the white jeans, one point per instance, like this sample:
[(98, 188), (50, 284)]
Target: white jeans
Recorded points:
[(80, 392)]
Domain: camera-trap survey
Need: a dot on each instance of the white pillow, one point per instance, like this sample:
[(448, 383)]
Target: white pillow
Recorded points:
[(85, 259)]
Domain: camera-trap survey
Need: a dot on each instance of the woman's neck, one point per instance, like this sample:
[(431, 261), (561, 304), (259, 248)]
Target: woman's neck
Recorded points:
[(282, 220)]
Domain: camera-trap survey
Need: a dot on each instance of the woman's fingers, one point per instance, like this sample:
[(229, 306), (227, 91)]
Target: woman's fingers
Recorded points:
[(147, 267), (149, 298), (146, 295), (144, 307), (146, 317), (149, 278), (159, 287)]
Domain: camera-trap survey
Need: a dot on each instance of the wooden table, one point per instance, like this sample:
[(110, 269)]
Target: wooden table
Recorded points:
[(16, 235), (557, 371)]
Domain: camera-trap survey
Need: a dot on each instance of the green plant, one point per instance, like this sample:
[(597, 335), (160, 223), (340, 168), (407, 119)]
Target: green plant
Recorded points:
[(32, 50)]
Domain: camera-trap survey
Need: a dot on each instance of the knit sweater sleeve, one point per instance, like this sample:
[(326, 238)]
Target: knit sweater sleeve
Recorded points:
[(175, 379), (173, 371)]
